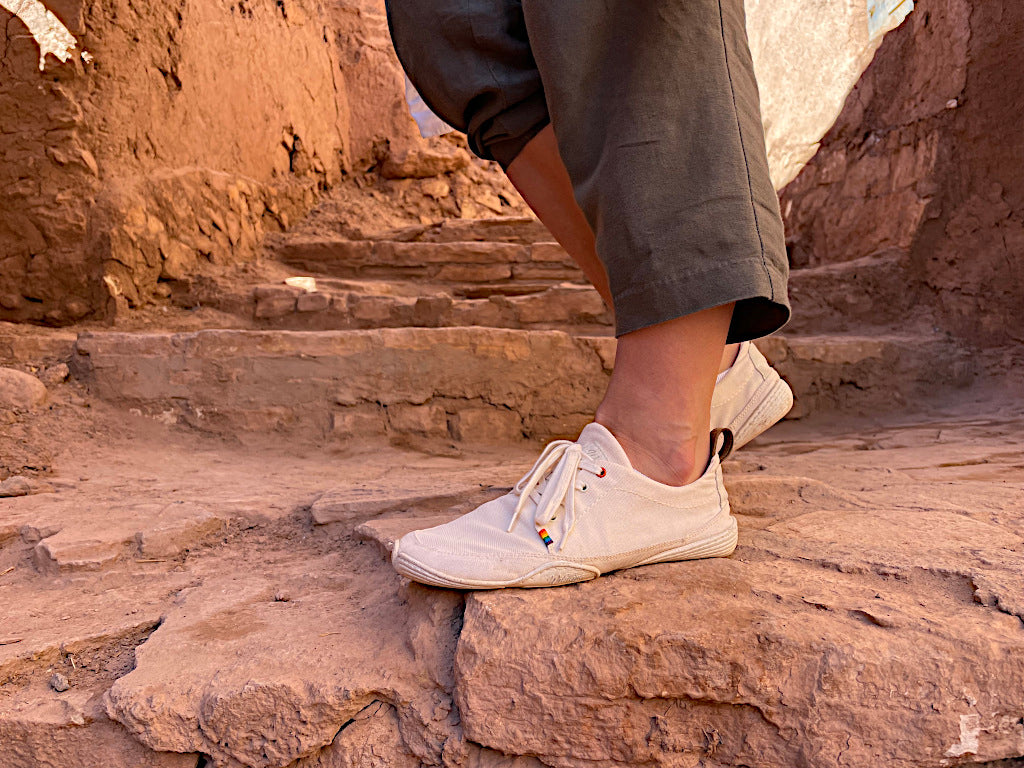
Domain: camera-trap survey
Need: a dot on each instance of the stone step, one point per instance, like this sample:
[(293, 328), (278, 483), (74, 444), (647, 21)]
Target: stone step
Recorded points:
[(454, 384), (455, 261), (505, 229), (339, 304), (866, 292), (524, 229), (33, 345)]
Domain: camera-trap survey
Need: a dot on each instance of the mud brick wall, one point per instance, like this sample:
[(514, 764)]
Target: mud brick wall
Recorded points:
[(195, 128)]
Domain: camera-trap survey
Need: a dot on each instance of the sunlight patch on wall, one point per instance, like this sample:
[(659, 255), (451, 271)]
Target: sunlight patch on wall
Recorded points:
[(48, 31)]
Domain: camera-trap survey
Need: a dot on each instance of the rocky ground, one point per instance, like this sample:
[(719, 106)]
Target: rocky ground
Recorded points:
[(174, 598), (197, 506), (201, 475)]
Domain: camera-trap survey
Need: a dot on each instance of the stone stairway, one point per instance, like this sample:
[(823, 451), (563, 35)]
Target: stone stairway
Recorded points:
[(497, 273), (482, 329), (507, 273), (473, 383)]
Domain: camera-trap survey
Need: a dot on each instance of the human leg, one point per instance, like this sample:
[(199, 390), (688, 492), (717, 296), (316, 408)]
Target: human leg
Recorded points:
[(655, 109), (658, 402), (540, 176), (655, 112), (684, 227)]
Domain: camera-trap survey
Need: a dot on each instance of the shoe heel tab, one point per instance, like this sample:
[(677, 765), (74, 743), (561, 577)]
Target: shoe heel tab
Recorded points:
[(723, 436)]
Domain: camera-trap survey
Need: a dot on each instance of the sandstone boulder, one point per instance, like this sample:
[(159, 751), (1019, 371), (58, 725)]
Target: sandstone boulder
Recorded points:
[(20, 390)]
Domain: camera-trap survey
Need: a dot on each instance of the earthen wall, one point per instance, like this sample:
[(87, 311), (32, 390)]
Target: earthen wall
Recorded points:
[(926, 165), (195, 128)]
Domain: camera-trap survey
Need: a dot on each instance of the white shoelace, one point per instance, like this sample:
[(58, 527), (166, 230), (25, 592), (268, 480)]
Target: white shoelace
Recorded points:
[(563, 459)]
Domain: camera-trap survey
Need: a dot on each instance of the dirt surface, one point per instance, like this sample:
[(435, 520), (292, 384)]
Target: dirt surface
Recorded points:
[(202, 472)]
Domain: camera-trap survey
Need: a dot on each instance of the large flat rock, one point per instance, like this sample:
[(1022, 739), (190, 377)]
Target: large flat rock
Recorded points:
[(716, 662), (831, 639), (278, 663), (870, 616)]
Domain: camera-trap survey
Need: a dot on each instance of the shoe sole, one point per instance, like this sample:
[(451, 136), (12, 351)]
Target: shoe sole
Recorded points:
[(720, 542), (775, 401)]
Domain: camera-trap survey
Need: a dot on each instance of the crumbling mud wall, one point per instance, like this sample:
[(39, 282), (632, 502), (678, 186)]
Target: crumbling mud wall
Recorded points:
[(190, 130), (925, 166)]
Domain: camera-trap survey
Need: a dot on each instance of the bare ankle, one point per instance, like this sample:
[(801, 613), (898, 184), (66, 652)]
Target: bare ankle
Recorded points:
[(668, 454)]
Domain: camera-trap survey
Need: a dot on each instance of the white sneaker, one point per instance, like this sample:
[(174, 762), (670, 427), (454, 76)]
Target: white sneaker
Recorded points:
[(750, 397), (581, 511)]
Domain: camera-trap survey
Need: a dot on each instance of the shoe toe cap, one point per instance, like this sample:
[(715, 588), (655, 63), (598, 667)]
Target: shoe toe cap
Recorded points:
[(421, 557)]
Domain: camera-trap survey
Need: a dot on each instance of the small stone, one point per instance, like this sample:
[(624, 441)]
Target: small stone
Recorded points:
[(436, 188), (487, 198), (76, 309), (431, 311), (59, 682), (372, 308), (178, 259), (15, 486), (274, 302), (356, 423), (420, 419), (421, 163), (20, 390), (305, 283), (313, 302), (487, 424), (55, 374), (282, 597)]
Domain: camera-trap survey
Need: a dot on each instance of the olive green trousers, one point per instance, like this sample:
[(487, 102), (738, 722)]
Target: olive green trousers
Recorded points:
[(655, 108)]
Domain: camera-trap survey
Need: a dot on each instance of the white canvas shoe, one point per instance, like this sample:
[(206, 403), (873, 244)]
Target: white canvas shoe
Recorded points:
[(581, 511), (750, 397)]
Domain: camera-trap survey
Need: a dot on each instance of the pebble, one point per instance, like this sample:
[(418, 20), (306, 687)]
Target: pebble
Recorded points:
[(59, 682)]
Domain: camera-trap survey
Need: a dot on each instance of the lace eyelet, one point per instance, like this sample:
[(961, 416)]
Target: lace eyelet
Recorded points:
[(584, 487), (603, 472)]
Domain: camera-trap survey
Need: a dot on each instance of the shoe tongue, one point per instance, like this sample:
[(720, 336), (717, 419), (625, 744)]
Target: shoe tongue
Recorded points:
[(601, 446)]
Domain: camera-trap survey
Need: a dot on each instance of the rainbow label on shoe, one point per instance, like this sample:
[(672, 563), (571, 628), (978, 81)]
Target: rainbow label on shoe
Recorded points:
[(548, 541)]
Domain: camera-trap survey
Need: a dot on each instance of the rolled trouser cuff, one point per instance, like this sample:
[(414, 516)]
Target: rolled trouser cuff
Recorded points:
[(503, 137), (656, 111), (664, 297), (472, 64)]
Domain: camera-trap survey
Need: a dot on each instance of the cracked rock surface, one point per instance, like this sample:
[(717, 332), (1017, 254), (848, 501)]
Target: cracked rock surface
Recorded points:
[(232, 603)]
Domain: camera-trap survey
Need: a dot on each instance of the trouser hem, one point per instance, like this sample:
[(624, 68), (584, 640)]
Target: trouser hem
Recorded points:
[(748, 282)]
